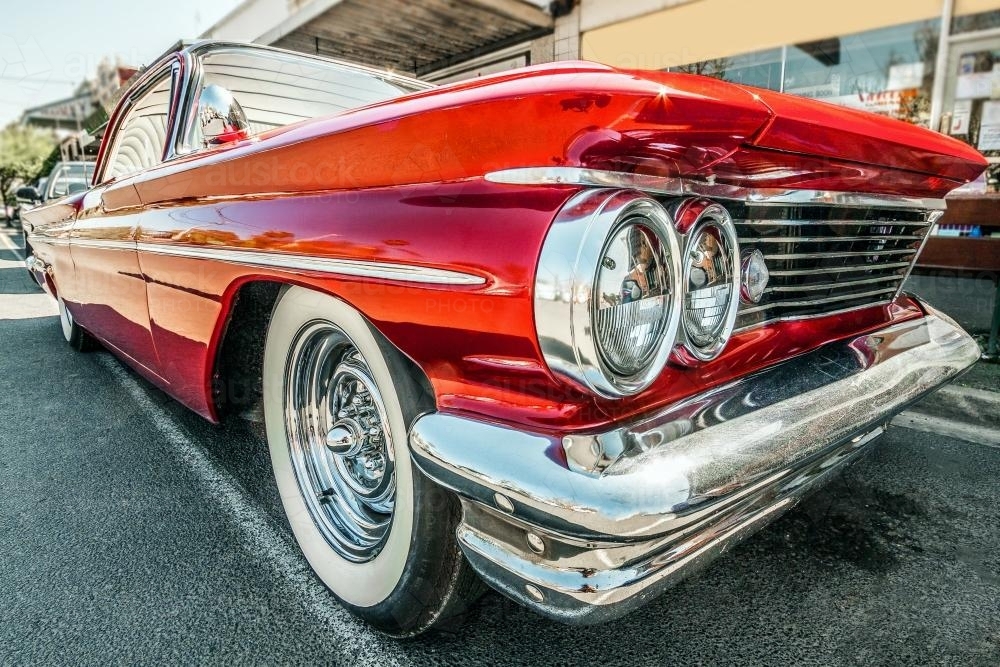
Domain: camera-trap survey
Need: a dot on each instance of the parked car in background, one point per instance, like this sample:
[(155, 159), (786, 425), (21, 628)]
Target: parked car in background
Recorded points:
[(26, 197), (569, 329), (65, 178)]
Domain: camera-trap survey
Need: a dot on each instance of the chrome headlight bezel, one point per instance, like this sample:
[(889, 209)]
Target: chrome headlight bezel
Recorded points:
[(566, 284), (702, 215)]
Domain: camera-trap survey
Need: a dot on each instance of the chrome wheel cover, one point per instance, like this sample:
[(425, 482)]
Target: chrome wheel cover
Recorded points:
[(339, 441)]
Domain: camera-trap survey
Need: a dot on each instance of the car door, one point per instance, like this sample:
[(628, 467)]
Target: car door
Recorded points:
[(110, 289)]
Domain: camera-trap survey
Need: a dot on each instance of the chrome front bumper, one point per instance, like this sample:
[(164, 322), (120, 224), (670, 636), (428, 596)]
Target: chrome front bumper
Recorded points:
[(587, 527)]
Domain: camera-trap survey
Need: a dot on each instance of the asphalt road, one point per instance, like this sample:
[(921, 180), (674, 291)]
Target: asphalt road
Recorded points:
[(133, 532)]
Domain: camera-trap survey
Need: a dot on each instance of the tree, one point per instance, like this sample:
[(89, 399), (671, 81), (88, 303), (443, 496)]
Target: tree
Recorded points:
[(716, 68), (22, 151)]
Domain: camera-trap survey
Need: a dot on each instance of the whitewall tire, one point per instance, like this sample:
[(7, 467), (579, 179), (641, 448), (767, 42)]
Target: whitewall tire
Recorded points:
[(74, 334), (338, 403)]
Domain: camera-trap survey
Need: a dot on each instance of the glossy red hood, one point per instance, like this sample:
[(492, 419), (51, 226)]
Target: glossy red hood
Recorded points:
[(587, 115), (810, 143)]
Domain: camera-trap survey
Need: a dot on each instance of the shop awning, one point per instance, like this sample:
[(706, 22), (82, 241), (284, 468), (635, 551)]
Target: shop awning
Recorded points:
[(406, 36)]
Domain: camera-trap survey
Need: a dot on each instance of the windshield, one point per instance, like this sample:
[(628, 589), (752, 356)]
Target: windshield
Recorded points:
[(67, 175)]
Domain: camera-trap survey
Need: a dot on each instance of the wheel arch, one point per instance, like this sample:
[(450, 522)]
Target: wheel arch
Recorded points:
[(236, 351)]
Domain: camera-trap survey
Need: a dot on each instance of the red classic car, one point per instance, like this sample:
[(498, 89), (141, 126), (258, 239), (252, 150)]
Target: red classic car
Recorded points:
[(570, 330)]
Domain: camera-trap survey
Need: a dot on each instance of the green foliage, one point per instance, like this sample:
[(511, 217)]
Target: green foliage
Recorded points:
[(22, 152), (97, 118), (48, 164)]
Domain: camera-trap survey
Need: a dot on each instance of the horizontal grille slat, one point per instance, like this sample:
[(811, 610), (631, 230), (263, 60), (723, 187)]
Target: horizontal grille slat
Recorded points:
[(825, 286), (838, 269), (827, 222), (827, 259), (827, 255), (827, 239), (828, 299)]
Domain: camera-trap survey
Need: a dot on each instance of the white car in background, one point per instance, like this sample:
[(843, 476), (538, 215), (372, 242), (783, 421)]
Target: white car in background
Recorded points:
[(64, 179)]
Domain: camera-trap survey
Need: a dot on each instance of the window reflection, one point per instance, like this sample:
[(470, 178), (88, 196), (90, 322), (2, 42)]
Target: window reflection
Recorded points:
[(644, 278), (889, 71), (761, 69)]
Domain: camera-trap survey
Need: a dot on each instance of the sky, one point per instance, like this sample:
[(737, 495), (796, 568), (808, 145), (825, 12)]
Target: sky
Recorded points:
[(47, 47)]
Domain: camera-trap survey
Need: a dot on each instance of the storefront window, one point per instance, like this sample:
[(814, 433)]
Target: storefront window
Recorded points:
[(972, 94), (889, 71), (976, 22), (761, 69)]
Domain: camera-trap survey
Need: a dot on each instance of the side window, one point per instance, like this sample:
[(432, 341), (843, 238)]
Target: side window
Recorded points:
[(141, 137)]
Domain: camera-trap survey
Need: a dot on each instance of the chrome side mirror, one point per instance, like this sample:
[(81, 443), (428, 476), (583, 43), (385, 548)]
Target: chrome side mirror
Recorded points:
[(221, 117)]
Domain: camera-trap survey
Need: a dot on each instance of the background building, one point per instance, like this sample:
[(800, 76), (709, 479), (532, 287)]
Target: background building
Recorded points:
[(64, 117), (71, 118)]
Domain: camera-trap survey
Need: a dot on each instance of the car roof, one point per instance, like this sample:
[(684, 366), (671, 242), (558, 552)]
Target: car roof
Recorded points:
[(197, 48)]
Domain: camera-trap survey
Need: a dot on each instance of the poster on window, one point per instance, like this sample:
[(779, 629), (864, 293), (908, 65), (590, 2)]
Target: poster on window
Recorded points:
[(977, 75), (960, 117), (989, 131)]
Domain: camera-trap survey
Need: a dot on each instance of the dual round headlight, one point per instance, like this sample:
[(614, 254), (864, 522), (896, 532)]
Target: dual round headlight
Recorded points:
[(633, 300), (618, 287), (711, 277)]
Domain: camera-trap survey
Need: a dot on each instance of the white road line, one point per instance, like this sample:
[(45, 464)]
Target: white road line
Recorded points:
[(10, 244), (979, 435), (991, 398), (357, 641)]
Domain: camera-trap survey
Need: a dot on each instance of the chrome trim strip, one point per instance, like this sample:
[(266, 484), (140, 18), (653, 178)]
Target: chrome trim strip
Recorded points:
[(932, 219), (824, 239), (818, 302), (852, 253), (764, 222), (286, 261), (678, 186), (829, 286), (811, 316), (838, 269), (50, 240), (293, 262), (102, 244)]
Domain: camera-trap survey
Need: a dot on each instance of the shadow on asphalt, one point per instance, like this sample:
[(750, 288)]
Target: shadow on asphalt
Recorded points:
[(10, 282), (11, 256)]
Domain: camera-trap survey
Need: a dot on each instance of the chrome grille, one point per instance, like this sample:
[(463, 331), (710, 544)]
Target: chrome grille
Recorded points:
[(826, 259)]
